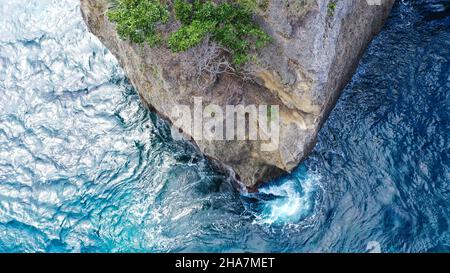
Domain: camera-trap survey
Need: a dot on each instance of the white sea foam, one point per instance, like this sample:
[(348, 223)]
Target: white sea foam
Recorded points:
[(294, 200)]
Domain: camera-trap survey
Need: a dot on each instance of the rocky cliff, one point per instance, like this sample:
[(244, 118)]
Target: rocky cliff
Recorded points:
[(314, 52)]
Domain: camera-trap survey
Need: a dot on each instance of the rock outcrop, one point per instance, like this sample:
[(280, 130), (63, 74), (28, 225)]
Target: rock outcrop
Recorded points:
[(315, 50)]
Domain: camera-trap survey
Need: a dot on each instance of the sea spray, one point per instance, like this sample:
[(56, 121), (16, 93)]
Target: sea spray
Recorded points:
[(288, 200)]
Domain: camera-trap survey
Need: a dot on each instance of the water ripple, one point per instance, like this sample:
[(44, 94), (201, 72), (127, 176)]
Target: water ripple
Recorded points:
[(85, 168)]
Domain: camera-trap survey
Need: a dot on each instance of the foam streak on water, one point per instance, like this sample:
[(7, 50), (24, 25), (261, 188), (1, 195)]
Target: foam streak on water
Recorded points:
[(85, 168)]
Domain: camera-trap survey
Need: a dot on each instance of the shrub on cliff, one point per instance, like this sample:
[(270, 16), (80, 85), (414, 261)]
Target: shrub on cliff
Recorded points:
[(136, 19), (230, 25)]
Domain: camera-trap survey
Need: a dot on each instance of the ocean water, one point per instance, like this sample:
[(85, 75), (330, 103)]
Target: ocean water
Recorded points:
[(84, 167)]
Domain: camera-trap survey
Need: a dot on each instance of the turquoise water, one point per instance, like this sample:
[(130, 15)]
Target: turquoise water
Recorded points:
[(85, 168)]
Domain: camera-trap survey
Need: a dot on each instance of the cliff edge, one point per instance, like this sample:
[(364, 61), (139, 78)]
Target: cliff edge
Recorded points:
[(315, 49)]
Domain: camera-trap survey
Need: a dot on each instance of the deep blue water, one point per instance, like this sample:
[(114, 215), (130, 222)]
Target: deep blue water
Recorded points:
[(85, 168)]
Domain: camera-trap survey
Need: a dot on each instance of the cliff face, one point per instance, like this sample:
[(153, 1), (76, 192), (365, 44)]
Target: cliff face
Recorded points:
[(314, 53)]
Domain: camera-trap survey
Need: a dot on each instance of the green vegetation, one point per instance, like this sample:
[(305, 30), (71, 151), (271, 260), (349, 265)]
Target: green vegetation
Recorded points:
[(228, 24), (136, 20), (254, 5), (331, 7)]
